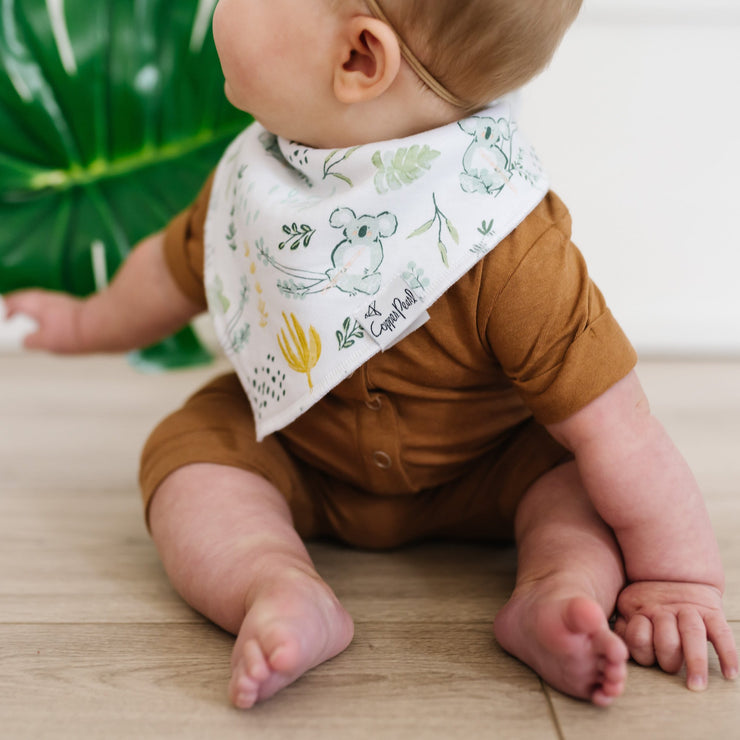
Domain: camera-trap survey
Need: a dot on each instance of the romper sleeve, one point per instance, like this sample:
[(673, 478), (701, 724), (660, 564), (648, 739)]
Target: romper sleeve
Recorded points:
[(549, 326), (183, 246)]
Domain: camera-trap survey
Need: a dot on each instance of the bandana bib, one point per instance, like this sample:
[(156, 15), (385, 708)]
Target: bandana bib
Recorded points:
[(315, 260)]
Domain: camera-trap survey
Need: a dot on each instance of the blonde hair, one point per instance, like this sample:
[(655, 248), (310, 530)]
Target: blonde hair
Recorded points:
[(481, 49)]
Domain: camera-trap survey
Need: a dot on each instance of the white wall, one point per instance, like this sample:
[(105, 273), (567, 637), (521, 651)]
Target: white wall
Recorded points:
[(638, 122)]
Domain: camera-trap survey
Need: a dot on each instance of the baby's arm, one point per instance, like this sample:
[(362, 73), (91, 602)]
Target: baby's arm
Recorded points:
[(142, 305), (643, 488)]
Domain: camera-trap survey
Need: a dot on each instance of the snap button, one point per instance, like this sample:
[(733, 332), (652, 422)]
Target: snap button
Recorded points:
[(382, 459), (374, 403)]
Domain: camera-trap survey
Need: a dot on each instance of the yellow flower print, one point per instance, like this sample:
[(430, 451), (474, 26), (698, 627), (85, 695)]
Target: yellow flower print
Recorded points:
[(307, 352)]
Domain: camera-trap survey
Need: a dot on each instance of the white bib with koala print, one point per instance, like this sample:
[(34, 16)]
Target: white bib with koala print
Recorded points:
[(315, 260)]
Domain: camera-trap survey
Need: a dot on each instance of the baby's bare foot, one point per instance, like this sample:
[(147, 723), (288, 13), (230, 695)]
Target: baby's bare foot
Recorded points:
[(293, 624), (566, 640)]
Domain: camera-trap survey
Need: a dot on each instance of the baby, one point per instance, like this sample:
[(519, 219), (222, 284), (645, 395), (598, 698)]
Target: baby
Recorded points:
[(418, 350)]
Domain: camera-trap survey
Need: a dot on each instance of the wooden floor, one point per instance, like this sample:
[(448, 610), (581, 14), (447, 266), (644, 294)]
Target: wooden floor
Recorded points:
[(95, 644)]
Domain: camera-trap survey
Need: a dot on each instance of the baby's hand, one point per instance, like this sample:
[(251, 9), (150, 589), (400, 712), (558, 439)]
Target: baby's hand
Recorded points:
[(57, 315), (671, 623)]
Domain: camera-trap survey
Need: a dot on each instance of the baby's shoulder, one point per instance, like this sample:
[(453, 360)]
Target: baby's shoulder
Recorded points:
[(543, 237)]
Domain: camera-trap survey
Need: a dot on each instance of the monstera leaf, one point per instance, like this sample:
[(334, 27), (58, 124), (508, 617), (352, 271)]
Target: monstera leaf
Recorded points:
[(112, 114)]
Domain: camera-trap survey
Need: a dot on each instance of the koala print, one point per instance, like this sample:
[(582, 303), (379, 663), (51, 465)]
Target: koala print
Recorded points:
[(356, 259), (487, 166)]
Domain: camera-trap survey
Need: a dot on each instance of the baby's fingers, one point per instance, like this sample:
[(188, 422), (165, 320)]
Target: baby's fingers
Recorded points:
[(720, 635), (637, 634), (22, 301), (668, 642), (694, 641), (52, 320), (20, 322)]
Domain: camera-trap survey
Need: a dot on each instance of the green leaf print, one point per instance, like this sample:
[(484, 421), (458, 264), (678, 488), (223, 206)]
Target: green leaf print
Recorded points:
[(216, 296), (486, 227), (296, 236), (422, 229), (443, 253), (231, 236), (414, 278), (439, 219), (348, 333), (331, 162), (402, 167)]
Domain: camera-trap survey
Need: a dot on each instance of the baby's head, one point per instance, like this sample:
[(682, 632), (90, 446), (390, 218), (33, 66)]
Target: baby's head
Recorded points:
[(478, 50), (336, 73)]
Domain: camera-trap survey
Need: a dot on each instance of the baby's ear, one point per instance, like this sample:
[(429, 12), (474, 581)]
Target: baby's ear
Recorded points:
[(370, 60)]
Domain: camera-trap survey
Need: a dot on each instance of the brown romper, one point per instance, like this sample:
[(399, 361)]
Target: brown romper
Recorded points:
[(441, 435)]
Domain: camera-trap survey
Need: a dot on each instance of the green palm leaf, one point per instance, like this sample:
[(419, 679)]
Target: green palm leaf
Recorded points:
[(402, 167), (112, 114)]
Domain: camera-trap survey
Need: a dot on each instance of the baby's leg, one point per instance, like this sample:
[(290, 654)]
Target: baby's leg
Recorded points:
[(227, 542), (569, 575)]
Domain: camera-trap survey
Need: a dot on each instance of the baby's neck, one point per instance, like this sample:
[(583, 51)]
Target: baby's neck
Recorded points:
[(404, 110)]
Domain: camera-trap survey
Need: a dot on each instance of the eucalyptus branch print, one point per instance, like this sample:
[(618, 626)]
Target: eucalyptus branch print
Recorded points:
[(330, 163), (441, 221), (348, 333), (414, 277), (402, 167), (530, 174), (239, 336), (217, 300), (291, 289), (297, 235), (263, 253)]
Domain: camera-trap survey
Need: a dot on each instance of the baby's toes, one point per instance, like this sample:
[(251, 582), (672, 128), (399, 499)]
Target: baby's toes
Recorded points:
[(611, 668), (613, 680), (601, 698), (614, 673), (285, 658), (256, 665), (244, 693), (250, 671), (611, 651)]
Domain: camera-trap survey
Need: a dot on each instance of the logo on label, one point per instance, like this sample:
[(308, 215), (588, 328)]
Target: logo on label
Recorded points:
[(395, 313)]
